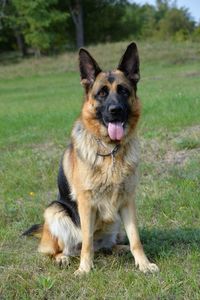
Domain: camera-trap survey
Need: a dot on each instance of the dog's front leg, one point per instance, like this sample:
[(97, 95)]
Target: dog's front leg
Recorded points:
[(128, 215), (87, 218)]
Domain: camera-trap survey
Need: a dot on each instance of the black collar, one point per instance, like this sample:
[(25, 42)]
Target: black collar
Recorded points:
[(112, 153)]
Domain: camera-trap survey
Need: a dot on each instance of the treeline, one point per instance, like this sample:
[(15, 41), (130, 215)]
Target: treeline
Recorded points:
[(49, 26)]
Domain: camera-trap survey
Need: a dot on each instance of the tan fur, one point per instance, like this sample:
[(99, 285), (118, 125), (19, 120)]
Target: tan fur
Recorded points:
[(55, 236), (48, 243), (89, 106)]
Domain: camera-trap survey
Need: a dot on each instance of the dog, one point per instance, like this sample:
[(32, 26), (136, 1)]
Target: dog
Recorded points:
[(98, 171)]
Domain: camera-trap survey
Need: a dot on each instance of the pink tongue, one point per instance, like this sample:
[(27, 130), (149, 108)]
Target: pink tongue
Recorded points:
[(115, 131)]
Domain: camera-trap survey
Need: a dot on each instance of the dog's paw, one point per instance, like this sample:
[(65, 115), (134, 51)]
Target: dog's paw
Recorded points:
[(62, 260), (84, 268), (81, 272), (148, 267)]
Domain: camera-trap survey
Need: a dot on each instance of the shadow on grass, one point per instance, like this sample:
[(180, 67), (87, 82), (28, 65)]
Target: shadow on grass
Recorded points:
[(163, 243), (159, 242)]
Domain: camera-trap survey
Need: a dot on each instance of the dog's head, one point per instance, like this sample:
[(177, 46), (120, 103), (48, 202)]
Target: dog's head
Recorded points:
[(111, 107)]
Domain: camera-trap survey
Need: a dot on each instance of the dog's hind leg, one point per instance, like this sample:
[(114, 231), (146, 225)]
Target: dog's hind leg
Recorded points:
[(63, 258), (62, 234), (48, 243), (51, 246)]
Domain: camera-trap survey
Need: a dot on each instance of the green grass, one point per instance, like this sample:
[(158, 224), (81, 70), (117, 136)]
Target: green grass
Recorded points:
[(39, 100)]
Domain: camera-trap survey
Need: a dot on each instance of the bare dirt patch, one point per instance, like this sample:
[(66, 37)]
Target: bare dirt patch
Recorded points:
[(164, 152), (181, 157)]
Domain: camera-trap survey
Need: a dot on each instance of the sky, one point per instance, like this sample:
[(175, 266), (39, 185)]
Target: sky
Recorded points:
[(192, 5)]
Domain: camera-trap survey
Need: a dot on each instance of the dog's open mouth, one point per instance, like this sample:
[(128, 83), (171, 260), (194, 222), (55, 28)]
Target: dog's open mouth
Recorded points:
[(116, 130)]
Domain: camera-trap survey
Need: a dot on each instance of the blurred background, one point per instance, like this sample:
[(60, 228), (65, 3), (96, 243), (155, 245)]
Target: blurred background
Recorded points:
[(44, 27)]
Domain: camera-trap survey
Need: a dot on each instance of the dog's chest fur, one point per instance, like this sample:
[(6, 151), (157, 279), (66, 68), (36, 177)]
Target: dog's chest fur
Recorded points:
[(109, 179), (110, 187)]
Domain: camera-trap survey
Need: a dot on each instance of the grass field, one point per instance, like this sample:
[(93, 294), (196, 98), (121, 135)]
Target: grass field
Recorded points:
[(39, 100)]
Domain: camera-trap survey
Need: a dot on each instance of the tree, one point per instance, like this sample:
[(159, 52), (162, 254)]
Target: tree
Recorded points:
[(34, 23), (177, 23), (103, 20), (148, 20), (162, 7), (45, 26), (131, 22), (11, 20), (7, 38), (76, 11), (38, 19)]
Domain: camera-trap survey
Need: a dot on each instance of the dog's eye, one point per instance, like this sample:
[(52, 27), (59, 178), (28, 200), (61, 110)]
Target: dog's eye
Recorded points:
[(103, 92), (122, 90)]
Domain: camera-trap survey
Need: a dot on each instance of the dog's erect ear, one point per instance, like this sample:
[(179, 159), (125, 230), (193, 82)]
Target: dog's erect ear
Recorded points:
[(129, 63), (89, 68)]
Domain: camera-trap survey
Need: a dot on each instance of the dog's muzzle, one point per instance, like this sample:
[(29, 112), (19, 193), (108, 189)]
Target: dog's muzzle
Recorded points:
[(115, 121)]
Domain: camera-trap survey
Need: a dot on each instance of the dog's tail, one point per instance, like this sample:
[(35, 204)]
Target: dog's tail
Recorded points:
[(35, 230)]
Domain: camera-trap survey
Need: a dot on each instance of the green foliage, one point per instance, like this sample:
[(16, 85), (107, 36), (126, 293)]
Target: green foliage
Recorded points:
[(39, 21), (176, 23), (138, 21), (103, 20), (148, 20), (45, 283), (196, 34), (48, 25)]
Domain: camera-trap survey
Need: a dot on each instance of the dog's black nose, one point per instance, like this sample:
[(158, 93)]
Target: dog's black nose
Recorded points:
[(115, 109)]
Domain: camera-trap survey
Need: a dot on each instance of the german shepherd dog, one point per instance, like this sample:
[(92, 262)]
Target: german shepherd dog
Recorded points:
[(98, 171)]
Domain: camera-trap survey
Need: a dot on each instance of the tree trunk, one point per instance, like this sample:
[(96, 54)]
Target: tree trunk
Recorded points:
[(21, 43), (79, 27), (76, 12)]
